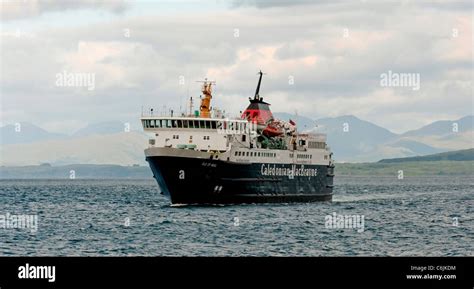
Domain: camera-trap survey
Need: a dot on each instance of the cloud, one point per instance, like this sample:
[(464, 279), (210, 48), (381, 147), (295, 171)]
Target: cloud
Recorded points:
[(335, 54), (262, 4), (11, 10)]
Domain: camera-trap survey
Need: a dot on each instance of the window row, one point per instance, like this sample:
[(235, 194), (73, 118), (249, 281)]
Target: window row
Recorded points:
[(179, 123), (298, 156), (316, 145), (255, 154), (199, 124)]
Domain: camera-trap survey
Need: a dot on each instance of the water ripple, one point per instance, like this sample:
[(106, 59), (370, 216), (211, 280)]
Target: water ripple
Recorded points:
[(411, 217)]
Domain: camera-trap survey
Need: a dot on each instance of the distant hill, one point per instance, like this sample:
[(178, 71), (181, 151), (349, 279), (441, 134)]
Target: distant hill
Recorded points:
[(125, 148), (414, 147), (443, 127), (364, 141), (349, 136), (26, 133), (101, 128), (446, 135), (410, 169), (81, 171), (89, 171), (460, 155)]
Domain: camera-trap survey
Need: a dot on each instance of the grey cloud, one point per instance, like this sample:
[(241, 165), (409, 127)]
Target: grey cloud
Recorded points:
[(262, 4), (12, 10), (343, 80), (456, 5)]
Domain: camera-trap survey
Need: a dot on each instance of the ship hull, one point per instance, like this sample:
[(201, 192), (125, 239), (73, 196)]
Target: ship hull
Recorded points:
[(208, 181)]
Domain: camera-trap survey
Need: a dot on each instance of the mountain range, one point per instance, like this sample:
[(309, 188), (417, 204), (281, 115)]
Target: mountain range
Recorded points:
[(350, 138), (356, 140), (460, 155)]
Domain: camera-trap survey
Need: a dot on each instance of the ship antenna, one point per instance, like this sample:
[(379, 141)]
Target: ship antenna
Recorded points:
[(190, 106), (257, 96)]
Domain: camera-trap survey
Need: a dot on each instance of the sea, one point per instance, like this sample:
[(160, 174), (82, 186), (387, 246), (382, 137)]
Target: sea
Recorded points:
[(369, 216)]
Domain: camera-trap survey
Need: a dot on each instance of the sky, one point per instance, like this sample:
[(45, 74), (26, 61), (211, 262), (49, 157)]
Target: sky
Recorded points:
[(320, 59)]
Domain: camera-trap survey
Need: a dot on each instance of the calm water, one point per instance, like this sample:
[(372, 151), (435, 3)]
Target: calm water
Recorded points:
[(407, 217)]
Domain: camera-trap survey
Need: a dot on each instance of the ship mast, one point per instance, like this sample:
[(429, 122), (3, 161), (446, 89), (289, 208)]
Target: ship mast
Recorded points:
[(205, 108), (191, 106), (257, 96)]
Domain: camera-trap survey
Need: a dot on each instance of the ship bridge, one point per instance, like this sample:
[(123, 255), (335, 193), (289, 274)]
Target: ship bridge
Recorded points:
[(197, 133), (205, 129)]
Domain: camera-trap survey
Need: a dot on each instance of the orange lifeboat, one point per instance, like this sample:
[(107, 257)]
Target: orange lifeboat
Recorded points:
[(272, 130)]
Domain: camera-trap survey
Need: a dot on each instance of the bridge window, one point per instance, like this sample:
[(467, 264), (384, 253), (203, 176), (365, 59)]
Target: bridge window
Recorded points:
[(213, 125), (191, 124), (202, 124), (196, 123), (316, 145), (180, 123)]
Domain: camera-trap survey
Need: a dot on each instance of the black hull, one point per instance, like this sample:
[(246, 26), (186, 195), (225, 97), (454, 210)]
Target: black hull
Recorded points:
[(204, 181)]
